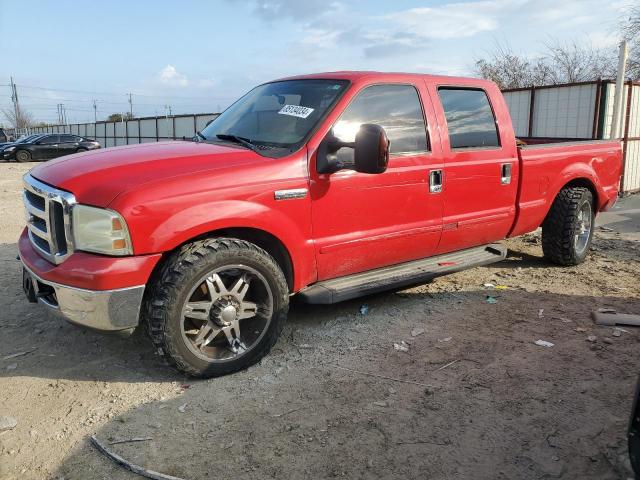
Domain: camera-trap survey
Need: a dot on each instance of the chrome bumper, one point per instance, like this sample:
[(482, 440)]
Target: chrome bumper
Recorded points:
[(108, 310)]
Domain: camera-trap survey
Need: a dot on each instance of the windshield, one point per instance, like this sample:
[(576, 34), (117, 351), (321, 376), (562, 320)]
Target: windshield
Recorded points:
[(276, 118), (28, 139)]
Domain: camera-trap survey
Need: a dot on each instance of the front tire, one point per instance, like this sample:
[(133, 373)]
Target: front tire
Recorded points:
[(216, 306), (568, 229), (23, 156)]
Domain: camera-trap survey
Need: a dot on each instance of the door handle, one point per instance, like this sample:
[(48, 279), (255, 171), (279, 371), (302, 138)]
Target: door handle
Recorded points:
[(505, 174), (435, 181)]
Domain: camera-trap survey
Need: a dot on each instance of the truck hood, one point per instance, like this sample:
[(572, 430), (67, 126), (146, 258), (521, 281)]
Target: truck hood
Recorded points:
[(98, 176)]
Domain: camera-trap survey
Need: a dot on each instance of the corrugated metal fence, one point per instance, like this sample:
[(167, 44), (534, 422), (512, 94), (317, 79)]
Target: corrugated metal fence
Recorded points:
[(137, 130), (576, 111)]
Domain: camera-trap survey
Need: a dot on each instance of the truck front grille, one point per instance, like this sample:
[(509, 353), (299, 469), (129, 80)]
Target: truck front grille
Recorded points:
[(48, 212)]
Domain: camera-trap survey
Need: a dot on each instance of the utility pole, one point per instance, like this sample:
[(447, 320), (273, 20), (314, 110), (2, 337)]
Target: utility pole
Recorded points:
[(167, 108), (95, 112), (16, 105), (617, 121), (59, 113), (130, 106)]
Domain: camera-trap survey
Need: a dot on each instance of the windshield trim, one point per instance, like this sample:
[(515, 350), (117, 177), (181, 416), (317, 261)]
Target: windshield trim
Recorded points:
[(296, 147)]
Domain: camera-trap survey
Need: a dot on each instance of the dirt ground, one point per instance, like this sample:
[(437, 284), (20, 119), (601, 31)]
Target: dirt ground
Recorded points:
[(473, 397)]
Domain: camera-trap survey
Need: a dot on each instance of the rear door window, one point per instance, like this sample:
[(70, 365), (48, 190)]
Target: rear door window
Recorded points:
[(470, 119)]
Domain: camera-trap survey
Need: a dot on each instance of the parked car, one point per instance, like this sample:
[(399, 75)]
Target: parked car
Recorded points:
[(24, 139), (328, 186), (48, 146)]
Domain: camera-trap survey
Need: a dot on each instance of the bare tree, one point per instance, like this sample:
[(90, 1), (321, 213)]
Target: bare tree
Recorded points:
[(560, 63), (24, 119), (579, 63), (631, 31)]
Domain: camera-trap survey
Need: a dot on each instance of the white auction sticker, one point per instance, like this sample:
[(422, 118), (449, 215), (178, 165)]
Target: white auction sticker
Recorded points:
[(296, 111)]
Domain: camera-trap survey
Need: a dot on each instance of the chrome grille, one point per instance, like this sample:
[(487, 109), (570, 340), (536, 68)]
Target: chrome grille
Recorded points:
[(48, 212)]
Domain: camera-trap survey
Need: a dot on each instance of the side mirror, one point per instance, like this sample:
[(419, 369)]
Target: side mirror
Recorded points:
[(371, 151)]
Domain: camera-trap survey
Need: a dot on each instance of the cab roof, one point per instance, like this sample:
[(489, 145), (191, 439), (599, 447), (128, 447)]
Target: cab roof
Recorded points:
[(372, 76)]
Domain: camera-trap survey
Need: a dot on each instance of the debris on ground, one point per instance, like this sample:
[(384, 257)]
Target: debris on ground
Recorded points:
[(489, 285), (19, 354), (402, 346), (607, 340), (491, 299), (417, 331), (7, 423), (580, 329), (608, 316), (541, 313), (502, 287), (606, 229), (364, 309), (381, 403), (445, 339), (592, 338), (130, 466), (12, 366), (617, 332), (543, 343), (131, 440), (182, 408), (447, 365)]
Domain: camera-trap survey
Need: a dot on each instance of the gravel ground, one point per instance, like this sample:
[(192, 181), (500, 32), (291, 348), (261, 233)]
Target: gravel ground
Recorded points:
[(472, 398)]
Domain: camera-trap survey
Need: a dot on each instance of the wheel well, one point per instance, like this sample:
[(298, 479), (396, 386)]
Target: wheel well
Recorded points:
[(586, 183), (271, 244)]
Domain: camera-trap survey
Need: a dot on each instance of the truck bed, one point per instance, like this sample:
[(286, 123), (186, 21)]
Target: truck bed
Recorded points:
[(546, 166)]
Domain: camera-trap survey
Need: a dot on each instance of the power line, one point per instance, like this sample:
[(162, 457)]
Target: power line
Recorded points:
[(116, 94)]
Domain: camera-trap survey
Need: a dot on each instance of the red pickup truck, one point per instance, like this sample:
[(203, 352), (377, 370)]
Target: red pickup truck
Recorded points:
[(327, 186)]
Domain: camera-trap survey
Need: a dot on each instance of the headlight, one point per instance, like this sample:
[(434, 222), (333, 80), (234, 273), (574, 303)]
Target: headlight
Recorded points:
[(9, 149), (99, 230)]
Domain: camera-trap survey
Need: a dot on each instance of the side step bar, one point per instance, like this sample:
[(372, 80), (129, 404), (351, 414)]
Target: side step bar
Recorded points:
[(401, 275)]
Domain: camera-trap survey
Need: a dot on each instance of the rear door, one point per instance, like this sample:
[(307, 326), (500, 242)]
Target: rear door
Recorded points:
[(480, 178), (363, 221)]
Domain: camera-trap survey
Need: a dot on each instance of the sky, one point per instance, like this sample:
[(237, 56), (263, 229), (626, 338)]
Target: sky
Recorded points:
[(199, 56)]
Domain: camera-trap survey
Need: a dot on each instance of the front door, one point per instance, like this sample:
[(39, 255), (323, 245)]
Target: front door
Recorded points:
[(366, 221), (46, 147), (68, 144), (480, 181)]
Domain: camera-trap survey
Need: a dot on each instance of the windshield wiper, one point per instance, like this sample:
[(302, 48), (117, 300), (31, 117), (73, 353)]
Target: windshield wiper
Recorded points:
[(199, 136), (245, 142)]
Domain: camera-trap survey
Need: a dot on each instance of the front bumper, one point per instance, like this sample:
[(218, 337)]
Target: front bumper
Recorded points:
[(108, 310), (96, 291)]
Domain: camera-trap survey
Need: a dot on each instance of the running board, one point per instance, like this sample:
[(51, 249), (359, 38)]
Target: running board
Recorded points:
[(401, 275)]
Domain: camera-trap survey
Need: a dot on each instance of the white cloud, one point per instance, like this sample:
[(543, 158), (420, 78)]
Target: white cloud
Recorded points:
[(170, 76), (452, 20)]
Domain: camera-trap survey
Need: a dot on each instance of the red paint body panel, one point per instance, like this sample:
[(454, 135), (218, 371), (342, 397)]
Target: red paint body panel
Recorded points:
[(172, 192), (545, 170), (89, 271)]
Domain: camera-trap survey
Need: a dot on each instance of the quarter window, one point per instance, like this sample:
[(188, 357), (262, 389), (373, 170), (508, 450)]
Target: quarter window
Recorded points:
[(394, 107), (469, 117)]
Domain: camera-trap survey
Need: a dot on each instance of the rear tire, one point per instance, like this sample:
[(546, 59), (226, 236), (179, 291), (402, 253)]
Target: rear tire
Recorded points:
[(196, 290), (568, 229), (23, 156)]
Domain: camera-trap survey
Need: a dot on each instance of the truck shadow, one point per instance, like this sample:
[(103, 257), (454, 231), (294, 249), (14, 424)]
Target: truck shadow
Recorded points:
[(311, 410)]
